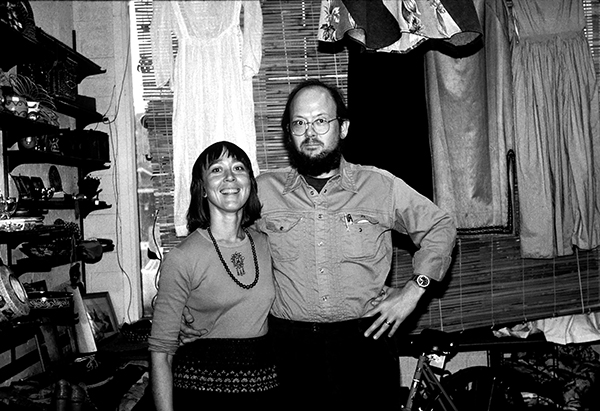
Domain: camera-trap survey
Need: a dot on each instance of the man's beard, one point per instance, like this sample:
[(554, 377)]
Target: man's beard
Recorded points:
[(316, 165)]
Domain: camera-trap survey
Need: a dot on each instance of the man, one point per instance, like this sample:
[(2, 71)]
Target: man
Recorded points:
[(329, 224)]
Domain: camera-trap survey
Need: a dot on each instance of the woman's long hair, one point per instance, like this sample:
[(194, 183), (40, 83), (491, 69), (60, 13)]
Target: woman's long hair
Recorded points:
[(198, 215)]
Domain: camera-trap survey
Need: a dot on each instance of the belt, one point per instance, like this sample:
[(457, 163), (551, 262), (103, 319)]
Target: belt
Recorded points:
[(338, 326)]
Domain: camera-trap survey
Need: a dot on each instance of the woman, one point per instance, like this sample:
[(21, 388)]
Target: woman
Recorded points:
[(222, 273)]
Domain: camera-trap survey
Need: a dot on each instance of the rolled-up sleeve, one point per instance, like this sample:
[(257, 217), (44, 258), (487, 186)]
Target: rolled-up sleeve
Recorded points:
[(430, 228)]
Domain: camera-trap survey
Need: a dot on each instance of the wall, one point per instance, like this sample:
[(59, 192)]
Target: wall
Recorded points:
[(103, 36)]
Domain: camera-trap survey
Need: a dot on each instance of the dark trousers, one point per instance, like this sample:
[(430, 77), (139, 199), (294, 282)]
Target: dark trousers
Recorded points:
[(333, 366)]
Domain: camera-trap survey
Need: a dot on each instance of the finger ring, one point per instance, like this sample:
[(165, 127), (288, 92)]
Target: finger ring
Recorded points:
[(389, 322)]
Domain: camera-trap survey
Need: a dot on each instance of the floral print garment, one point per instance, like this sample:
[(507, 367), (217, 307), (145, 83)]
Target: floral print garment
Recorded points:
[(558, 377), (398, 25)]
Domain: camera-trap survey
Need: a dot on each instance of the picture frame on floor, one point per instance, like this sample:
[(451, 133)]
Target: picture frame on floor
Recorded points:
[(101, 315)]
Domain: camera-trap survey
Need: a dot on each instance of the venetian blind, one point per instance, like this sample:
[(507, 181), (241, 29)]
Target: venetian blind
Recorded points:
[(592, 30), (157, 121)]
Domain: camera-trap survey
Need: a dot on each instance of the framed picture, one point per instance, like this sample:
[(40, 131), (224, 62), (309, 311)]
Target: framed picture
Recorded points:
[(23, 184), (101, 315), (37, 188)]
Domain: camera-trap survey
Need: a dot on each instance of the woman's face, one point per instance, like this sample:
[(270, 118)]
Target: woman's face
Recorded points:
[(227, 185)]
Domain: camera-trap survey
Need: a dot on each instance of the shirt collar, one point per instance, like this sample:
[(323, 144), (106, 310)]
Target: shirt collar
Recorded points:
[(345, 172)]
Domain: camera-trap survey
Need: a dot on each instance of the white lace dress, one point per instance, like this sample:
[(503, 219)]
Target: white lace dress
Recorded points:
[(211, 78)]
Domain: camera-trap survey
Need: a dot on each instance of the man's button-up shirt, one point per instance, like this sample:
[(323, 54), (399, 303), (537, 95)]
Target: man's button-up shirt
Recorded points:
[(332, 251)]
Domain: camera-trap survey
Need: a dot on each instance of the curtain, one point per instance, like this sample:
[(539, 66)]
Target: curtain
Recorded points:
[(401, 128), (471, 123)]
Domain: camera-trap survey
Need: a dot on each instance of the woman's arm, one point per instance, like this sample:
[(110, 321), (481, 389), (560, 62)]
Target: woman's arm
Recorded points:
[(161, 377)]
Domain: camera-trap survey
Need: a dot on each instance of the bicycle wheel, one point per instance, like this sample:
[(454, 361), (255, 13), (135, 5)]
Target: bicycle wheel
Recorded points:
[(483, 388)]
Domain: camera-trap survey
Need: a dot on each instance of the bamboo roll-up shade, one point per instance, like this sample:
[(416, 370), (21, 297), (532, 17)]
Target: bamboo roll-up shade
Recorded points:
[(290, 54), (490, 285)]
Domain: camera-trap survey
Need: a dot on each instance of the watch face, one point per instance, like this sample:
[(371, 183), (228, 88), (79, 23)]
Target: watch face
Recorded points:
[(422, 281)]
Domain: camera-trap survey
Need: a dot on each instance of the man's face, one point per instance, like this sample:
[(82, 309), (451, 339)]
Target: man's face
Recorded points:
[(309, 105)]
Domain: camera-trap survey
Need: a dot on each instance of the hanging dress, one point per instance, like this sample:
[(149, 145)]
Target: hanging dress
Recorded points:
[(211, 78), (556, 128), (398, 26)]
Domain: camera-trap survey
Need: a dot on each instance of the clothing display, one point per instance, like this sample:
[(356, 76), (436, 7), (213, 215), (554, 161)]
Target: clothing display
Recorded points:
[(398, 26), (332, 250), (211, 78), (217, 303), (557, 134)]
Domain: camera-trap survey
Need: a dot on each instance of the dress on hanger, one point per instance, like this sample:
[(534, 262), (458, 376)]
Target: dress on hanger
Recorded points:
[(211, 78), (556, 128)]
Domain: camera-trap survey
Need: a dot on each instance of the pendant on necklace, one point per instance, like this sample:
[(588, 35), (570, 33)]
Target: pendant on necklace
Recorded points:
[(237, 259), (254, 257)]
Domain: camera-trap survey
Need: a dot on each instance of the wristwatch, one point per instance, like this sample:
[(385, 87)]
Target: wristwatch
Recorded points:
[(421, 280)]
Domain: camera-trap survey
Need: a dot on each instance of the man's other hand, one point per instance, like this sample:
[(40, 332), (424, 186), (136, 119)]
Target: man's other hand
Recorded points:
[(187, 333)]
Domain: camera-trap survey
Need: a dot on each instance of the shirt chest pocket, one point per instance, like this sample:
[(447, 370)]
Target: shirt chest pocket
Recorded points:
[(286, 237), (359, 235)]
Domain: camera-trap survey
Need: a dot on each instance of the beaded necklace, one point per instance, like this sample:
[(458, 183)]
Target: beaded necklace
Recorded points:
[(249, 286)]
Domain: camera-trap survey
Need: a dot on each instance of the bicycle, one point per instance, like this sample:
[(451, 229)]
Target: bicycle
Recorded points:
[(476, 388)]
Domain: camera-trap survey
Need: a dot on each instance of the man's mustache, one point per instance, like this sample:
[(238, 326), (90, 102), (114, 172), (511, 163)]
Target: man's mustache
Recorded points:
[(311, 140)]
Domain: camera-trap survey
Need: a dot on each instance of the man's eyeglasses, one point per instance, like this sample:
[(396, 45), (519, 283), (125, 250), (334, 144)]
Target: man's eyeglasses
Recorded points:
[(320, 126)]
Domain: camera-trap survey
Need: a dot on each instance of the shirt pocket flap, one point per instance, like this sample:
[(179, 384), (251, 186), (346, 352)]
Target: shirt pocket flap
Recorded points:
[(285, 235), (282, 224)]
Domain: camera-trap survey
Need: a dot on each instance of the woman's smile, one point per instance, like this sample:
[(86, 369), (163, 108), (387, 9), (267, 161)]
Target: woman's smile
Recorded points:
[(227, 184)]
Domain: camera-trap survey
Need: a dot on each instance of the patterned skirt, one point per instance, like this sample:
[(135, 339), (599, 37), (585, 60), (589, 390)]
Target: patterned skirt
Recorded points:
[(225, 365)]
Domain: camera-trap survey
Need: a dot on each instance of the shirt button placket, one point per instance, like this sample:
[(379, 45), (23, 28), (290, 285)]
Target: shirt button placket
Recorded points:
[(322, 259)]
